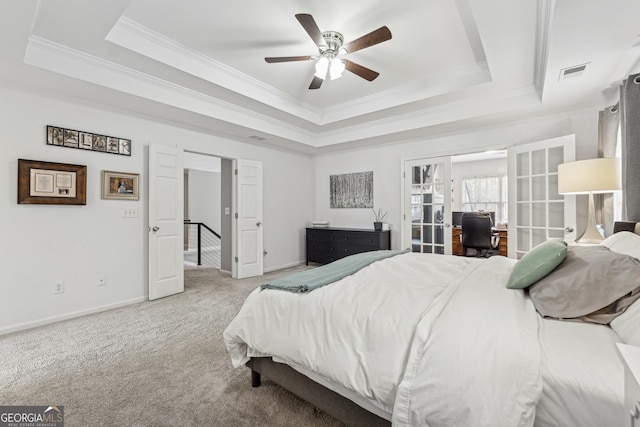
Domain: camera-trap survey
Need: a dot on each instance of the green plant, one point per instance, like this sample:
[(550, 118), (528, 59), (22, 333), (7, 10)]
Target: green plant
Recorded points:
[(380, 216)]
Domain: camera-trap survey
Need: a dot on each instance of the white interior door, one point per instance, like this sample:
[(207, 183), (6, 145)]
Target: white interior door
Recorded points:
[(536, 211), (166, 225), (249, 255), (427, 205)]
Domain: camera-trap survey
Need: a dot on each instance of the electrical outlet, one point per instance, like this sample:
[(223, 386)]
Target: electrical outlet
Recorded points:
[(102, 280), (130, 213), (58, 287)]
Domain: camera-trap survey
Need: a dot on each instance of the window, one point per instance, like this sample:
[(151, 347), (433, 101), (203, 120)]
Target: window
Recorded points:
[(486, 193)]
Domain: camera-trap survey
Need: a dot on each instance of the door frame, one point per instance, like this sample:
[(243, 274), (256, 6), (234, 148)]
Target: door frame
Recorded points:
[(432, 155), (234, 205)]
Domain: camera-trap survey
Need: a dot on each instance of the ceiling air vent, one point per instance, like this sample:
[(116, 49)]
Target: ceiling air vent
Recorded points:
[(571, 72), (257, 138)]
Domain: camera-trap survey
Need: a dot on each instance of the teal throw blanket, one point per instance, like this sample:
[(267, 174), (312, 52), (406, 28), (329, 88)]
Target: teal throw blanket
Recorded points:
[(308, 280)]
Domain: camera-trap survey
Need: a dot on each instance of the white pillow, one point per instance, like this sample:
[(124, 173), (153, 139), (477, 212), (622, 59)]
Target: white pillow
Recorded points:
[(627, 324), (624, 242)]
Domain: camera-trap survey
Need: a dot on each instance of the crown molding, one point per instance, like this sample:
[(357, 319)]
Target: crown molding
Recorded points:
[(543, 31), (73, 63), (70, 62), (427, 88), (459, 110), (144, 41), (151, 44)]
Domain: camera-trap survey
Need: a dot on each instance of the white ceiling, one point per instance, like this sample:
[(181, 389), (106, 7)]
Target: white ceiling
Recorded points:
[(450, 65)]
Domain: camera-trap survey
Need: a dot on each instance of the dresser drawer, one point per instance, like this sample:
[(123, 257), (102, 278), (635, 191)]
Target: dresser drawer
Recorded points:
[(325, 245)]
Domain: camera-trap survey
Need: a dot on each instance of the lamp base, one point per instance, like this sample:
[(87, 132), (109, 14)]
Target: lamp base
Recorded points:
[(591, 233)]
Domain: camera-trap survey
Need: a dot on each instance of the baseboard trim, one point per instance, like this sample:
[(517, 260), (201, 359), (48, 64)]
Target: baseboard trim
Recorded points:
[(53, 319), (282, 267)]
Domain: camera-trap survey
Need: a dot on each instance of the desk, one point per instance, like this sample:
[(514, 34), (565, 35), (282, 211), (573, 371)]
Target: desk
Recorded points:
[(456, 244)]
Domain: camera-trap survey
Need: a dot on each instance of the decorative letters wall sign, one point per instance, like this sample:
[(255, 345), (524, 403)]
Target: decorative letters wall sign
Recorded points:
[(88, 141), (351, 190)]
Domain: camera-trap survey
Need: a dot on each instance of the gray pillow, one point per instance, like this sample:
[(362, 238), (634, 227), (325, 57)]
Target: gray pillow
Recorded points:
[(537, 263), (593, 284)]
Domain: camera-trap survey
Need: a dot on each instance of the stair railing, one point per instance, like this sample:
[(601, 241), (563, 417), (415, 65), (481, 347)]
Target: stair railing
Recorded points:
[(201, 225)]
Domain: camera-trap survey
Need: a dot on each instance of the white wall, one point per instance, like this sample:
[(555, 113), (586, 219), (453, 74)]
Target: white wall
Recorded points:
[(385, 162), (43, 244), (78, 244), (204, 198)]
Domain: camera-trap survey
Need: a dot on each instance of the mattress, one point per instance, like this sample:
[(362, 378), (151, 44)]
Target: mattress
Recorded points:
[(582, 374)]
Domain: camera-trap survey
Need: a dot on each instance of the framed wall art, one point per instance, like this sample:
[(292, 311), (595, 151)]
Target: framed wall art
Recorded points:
[(351, 190), (120, 185), (88, 141), (47, 183)]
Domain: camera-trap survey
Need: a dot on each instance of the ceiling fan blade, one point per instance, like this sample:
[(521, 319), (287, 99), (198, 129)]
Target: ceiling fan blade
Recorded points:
[(316, 83), (274, 59), (310, 26), (378, 36), (361, 71)]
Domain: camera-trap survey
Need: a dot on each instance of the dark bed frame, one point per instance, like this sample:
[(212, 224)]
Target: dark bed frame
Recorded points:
[(328, 400), (316, 394)]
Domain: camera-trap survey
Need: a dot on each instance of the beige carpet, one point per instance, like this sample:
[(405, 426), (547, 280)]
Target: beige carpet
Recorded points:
[(157, 363)]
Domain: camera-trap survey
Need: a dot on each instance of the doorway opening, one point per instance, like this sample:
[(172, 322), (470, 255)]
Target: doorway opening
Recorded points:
[(207, 211)]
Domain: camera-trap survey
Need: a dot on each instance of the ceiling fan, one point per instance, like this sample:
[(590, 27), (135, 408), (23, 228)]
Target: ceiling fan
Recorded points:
[(330, 45)]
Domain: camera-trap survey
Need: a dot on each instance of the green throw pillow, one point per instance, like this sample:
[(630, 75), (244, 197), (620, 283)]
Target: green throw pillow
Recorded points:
[(537, 263)]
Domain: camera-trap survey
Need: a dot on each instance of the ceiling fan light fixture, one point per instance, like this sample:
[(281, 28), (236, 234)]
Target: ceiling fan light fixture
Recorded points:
[(322, 66), (336, 69), (330, 45)]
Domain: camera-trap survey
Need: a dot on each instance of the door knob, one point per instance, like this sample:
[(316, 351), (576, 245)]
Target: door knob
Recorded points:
[(569, 229), (258, 223), (155, 228), (446, 224)]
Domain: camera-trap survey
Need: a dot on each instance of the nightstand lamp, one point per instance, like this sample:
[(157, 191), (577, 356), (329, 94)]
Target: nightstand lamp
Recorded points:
[(590, 177)]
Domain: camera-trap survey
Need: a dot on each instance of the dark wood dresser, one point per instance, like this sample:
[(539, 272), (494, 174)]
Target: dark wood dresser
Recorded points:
[(329, 244)]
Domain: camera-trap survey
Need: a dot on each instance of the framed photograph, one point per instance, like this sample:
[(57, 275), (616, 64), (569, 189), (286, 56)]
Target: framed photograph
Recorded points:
[(55, 135), (120, 185), (71, 138), (99, 143), (47, 183), (86, 141), (351, 190), (125, 147)]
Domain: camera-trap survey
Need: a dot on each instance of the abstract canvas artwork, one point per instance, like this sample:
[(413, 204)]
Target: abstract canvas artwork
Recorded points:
[(351, 190)]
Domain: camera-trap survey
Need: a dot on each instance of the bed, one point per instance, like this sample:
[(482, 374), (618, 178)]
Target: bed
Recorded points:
[(419, 339)]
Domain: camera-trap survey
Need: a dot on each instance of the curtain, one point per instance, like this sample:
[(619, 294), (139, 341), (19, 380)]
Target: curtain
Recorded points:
[(608, 123), (630, 131)]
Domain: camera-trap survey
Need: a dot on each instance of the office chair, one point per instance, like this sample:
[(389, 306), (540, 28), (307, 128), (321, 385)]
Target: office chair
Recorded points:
[(477, 234)]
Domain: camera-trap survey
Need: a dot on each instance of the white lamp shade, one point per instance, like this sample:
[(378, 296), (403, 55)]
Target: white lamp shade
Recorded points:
[(600, 175), (321, 67), (336, 69)]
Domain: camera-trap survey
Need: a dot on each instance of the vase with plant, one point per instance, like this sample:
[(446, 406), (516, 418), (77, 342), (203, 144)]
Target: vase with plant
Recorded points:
[(379, 218)]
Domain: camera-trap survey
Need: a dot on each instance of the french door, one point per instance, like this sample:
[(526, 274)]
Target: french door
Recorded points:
[(536, 211), (427, 205)]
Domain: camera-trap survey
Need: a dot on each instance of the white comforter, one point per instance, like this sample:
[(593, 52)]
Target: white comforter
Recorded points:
[(434, 340)]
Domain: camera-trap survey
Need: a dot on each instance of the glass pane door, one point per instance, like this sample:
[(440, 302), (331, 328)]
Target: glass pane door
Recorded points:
[(427, 205), (536, 211)]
